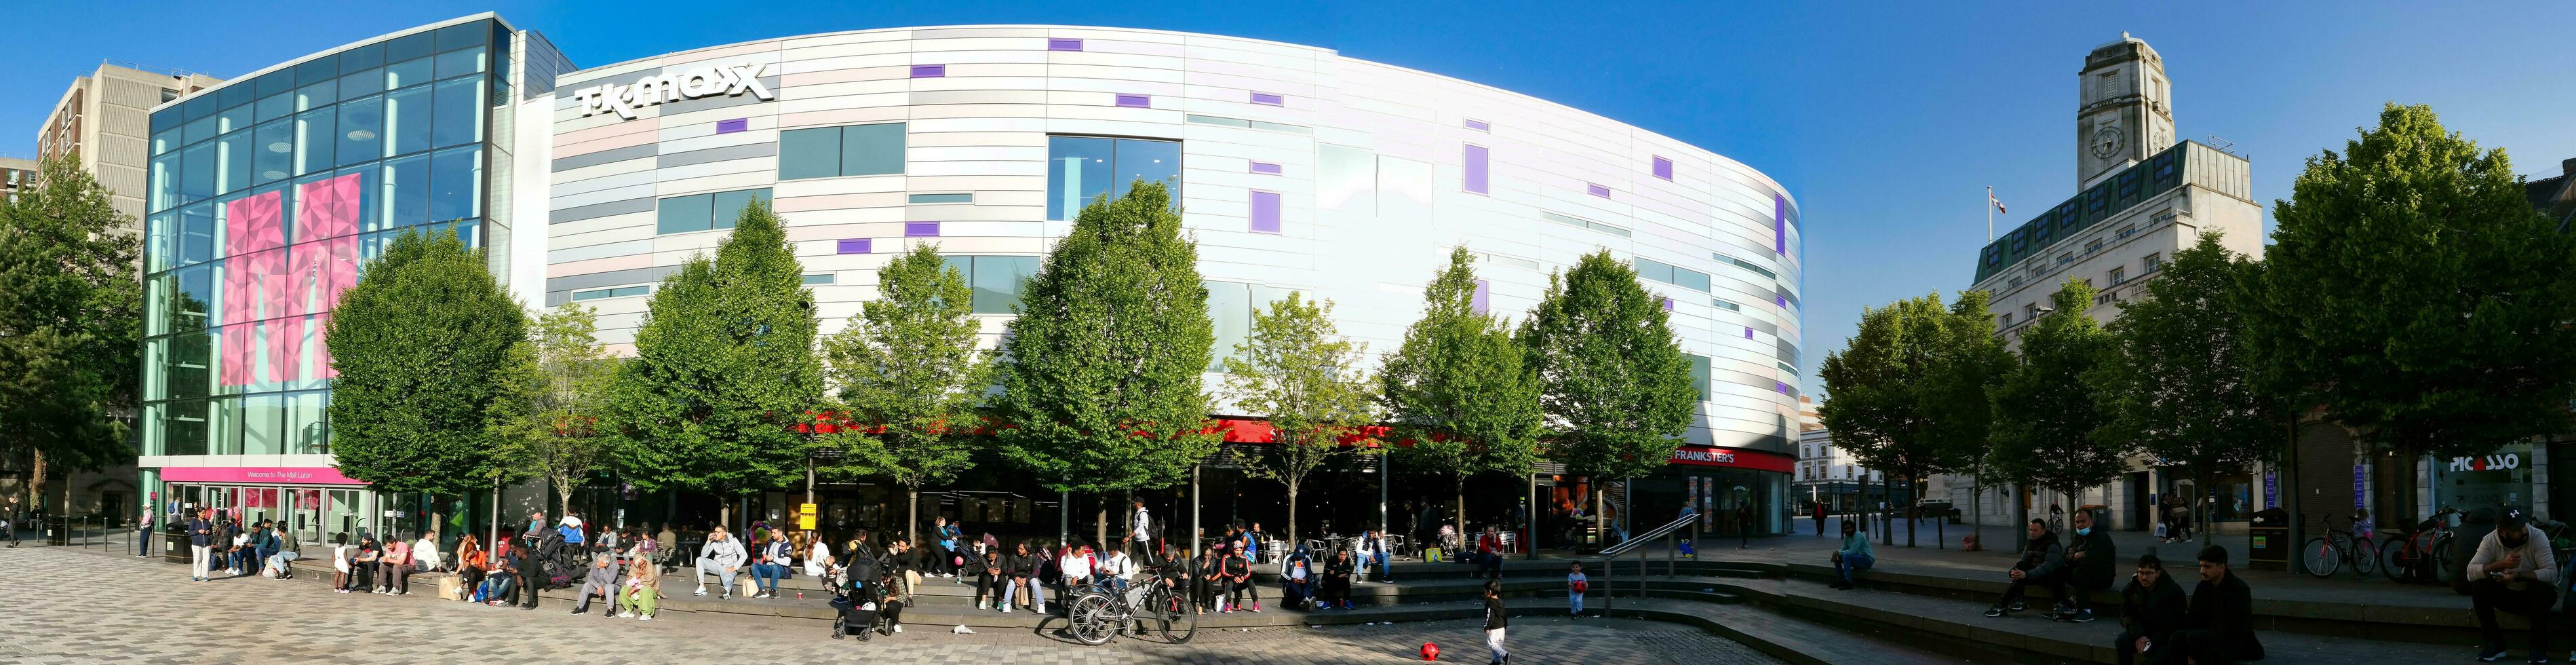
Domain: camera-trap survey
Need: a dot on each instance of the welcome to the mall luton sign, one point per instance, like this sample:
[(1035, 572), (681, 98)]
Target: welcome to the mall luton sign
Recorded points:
[(658, 88)]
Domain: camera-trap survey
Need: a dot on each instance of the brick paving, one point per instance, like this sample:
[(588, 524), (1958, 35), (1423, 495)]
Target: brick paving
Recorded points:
[(70, 606)]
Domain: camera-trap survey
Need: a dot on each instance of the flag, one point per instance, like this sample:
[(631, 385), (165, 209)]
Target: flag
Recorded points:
[(1999, 205)]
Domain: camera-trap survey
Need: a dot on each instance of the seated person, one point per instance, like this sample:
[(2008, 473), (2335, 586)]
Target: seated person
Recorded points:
[(1852, 556), (1337, 580), (2219, 628), (2089, 557), (2152, 607), (2042, 562), (1298, 576), (2515, 571)]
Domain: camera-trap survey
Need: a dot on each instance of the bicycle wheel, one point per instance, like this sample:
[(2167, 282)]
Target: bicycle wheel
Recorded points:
[(1180, 621), (1091, 619), (2393, 558), (2446, 565), (2320, 557), (2364, 557)]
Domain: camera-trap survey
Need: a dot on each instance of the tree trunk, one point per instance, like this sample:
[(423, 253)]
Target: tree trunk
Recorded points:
[(2191, 504), (1100, 519), (1600, 536), (1461, 516), (912, 512), (36, 485), (563, 495), (1977, 509), (1292, 508), (1911, 502)]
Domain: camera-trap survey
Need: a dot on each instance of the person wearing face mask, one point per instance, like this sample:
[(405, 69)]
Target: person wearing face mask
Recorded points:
[(2152, 607), (2090, 556)]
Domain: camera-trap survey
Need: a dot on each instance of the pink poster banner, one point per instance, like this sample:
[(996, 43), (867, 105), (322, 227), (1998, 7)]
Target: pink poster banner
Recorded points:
[(284, 475)]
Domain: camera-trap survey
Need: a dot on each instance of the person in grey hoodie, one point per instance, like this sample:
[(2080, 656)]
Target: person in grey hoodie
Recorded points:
[(600, 581), (723, 556), (2043, 562)]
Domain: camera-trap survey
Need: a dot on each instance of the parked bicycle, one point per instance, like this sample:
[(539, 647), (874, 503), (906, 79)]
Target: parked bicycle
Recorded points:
[(1099, 614), (2424, 555), (2337, 549)]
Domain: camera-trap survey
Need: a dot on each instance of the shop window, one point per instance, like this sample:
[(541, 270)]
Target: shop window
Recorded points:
[(703, 212), (830, 152)]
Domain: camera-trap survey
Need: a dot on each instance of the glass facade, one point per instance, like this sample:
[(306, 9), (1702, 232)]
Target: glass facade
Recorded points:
[(265, 198), (1082, 168), (996, 280)]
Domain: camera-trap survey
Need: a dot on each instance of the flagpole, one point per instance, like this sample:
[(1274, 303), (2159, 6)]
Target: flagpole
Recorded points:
[(1990, 214)]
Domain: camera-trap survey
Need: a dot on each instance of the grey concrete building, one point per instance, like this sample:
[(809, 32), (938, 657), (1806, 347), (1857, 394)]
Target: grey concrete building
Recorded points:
[(105, 119), (16, 174)]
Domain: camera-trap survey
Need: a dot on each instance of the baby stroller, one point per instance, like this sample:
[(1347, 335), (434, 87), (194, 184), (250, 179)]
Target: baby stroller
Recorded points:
[(856, 594)]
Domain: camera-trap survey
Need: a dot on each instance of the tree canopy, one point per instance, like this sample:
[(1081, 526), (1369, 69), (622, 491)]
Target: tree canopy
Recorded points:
[(548, 421), (71, 324), (908, 375), (2045, 413), (2179, 383), (422, 344), (1459, 391), (1302, 375)]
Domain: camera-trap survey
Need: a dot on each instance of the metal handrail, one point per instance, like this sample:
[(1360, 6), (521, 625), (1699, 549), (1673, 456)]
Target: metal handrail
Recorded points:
[(1640, 540)]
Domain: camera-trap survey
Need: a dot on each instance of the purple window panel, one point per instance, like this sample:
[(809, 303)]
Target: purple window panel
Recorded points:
[(1663, 168), (1136, 101), (1597, 190), (1748, 333), (1668, 304), (1476, 168), (1064, 44), (921, 229), (1479, 125), (1265, 212), (1268, 99), (731, 126), (1780, 225), (855, 245), (1782, 387), (1265, 168), (1783, 301), (929, 71), (1484, 296)]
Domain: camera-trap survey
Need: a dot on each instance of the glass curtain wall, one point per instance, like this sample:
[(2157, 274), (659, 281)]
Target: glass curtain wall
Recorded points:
[(266, 197)]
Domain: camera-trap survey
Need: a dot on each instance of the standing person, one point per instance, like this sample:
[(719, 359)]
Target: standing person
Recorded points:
[(9, 521), (470, 562), (1575, 584), (2515, 571), (643, 588), (340, 563), (990, 574), (950, 560), (769, 566), (723, 556), (201, 541), (601, 581), (2152, 607), (2089, 558), (1820, 519), (143, 534), (1140, 534), (2042, 562), (2220, 624), (1496, 619), (1852, 556)]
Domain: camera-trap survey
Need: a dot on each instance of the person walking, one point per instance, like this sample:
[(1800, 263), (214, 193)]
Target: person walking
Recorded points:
[(1575, 584), (2152, 607), (1820, 519), (950, 559), (201, 550), (600, 581), (722, 556), (1140, 534), (1496, 620), (1852, 556), (2514, 570)]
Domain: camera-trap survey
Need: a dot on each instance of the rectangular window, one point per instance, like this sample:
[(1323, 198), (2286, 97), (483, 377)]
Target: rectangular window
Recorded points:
[(1728, 306), (1064, 44), (2007, 321), (1584, 223), (1478, 125), (618, 292), (1747, 265), (929, 71), (1265, 212), (1135, 101), (1265, 168), (1664, 168), (703, 212), (731, 126), (829, 152), (1700, 372), (995, 280), (921, 229), (2119, 275), (1268, 99), (2151, 264), (1474, 157), (918, 199), (1596, 190), (2029, 310), (1484, 296), (1083, 168), (823, 278), (854, 245)]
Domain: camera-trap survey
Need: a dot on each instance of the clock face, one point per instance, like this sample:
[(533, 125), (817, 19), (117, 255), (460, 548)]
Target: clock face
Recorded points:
[(2106, 142)]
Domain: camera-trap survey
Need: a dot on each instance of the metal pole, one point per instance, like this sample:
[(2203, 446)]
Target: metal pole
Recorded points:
[(1195, 515), (1990, 214), (1384, 478), (1529, 521)]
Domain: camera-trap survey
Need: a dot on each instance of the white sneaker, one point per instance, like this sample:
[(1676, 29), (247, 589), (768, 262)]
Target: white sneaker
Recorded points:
[(702, 591), (647, 617), (1006, 609), (898, 629), (626, 615)]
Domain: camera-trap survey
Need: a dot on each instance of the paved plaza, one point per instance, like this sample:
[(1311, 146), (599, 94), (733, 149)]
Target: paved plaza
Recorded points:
[(71, 606)]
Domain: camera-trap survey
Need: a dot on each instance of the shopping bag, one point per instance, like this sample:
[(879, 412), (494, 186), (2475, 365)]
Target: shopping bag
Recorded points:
[(449, 589)]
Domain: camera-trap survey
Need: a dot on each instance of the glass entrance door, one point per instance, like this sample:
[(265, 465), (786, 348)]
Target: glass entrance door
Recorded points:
[(304, 515)]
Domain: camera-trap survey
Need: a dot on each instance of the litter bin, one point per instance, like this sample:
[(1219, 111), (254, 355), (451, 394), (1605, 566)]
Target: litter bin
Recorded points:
[(2270, 532), (57, 530), (174, 542)]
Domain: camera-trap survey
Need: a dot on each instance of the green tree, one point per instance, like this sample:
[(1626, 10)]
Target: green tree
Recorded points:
[(1460, 389), (1904, 391), (422, 343), (724, 367), (1100, 372), (2413, 292), (1612, 380), (548, 421), (2179, 386), (70, 327), (910, 378), (1957, 392), (1304, 377), (2045, 413)]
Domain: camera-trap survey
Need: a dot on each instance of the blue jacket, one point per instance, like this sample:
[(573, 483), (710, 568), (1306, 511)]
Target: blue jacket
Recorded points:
[(571, 536)]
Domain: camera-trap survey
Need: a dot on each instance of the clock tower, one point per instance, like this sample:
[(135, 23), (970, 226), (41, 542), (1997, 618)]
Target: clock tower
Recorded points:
[(2125, 112)]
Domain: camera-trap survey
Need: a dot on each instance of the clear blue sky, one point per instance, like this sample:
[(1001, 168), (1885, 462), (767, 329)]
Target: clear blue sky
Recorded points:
[(1887, 121)]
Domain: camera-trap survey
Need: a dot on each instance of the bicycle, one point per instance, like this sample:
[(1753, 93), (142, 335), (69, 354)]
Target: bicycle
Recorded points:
[(1099, 614), (2405, 557), (2339, 547)]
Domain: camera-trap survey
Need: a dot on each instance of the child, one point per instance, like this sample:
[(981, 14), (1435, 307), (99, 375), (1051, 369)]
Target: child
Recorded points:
[(1496, 619), (1575, 585), (340, 562)]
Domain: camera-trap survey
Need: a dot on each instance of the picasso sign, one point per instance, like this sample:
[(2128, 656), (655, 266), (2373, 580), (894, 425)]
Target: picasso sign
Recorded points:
[(659, 88)]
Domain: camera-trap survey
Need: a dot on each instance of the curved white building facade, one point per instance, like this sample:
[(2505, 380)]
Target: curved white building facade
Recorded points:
[(1297, 169)]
